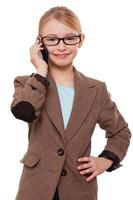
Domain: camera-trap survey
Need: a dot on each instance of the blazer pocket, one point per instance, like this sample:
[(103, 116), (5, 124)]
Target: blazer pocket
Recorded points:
[(30, 159)]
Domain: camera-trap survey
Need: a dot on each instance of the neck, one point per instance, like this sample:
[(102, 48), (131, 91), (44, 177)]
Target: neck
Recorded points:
[(63, 74)]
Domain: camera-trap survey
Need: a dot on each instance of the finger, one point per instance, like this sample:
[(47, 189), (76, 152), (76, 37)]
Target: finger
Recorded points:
[(36, 47), (92, 176), (84, 166), (36, 51), (84, 159), (87, 171), (41, 48)]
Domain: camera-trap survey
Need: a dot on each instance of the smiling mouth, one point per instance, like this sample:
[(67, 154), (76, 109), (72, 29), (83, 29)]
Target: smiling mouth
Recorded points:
[(61, 55)]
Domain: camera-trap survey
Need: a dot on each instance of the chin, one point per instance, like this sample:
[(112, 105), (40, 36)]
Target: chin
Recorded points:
[(60, 63)]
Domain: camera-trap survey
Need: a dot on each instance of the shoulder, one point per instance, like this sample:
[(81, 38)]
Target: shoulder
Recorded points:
[(99, 84), (94, 81)]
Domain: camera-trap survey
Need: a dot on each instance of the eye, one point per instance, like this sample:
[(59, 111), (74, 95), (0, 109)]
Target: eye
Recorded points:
[(51, 39), (70, 38)]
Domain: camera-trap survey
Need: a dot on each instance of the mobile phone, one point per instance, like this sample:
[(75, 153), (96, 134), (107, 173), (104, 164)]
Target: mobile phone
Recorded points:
[(44, 53)]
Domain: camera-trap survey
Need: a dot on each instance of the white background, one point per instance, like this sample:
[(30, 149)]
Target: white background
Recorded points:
[(107, 55)]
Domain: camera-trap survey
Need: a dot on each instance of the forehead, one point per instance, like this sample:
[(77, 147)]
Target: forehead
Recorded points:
[(54, 27)]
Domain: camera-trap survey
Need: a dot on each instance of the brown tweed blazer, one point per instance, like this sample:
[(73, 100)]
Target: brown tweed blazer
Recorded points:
[(52, 153)]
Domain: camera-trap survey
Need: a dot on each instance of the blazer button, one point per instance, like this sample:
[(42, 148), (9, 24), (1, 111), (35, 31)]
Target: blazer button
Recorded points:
[(60, 152), (64, 172)]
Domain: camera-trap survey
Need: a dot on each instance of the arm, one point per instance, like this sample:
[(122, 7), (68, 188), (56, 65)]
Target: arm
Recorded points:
[(30, 91), (117, 132), (29, 97)]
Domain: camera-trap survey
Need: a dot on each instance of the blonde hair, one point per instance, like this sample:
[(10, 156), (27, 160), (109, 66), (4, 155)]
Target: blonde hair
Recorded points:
[(63, 15)]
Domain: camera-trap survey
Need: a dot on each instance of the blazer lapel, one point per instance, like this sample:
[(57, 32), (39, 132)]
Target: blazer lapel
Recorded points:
[(85, 92), (53, 107)]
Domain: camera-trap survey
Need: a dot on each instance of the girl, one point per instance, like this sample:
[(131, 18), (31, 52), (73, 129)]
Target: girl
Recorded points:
[(62, 106)]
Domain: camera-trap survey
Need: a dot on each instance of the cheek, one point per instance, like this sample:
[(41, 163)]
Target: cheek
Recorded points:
[(50, 50), (75, 51), (74, 48)]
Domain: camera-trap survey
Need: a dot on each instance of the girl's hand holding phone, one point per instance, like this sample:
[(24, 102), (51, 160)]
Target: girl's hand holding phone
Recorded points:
[(37, 59)]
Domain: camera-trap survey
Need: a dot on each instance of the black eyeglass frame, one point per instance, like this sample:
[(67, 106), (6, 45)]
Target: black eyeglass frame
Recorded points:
[(61, 38)]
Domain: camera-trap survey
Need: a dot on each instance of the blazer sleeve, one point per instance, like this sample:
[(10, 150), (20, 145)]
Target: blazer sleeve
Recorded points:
[(28, 97), (117, 132)]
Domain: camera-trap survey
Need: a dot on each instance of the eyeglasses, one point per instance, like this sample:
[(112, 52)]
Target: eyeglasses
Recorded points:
[(68, 40)]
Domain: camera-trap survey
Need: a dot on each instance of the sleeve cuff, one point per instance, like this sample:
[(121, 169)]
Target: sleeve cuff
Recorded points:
[(42, 79), (111, 156)]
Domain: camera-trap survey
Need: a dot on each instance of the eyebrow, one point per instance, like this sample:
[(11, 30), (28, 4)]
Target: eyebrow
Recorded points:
[(68, 34)]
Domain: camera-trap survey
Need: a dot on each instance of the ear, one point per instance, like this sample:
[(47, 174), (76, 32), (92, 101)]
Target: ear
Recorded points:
[(38, 37), (82, 40)]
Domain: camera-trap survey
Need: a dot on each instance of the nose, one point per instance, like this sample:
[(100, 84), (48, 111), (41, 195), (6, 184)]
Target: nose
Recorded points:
[(61, 46)]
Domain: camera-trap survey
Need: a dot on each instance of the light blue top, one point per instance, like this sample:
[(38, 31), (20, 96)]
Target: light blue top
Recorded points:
[(66, 96)]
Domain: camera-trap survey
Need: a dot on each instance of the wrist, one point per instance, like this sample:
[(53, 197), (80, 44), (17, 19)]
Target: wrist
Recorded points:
[(109, 162), (42, 72), (111, 156)]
